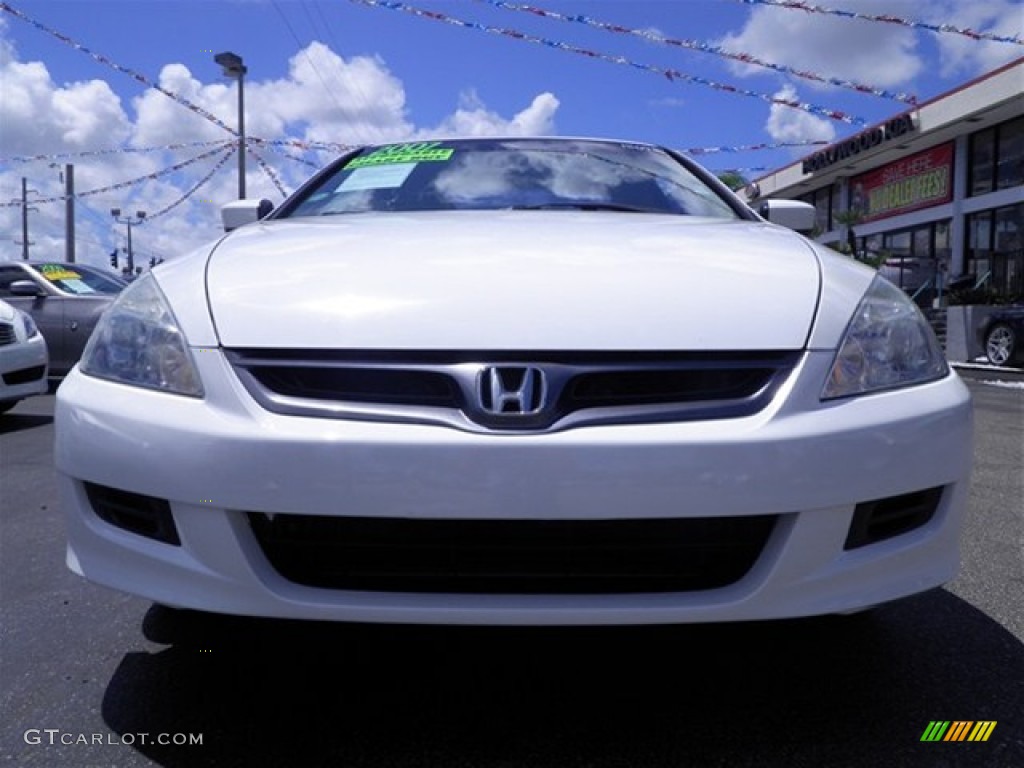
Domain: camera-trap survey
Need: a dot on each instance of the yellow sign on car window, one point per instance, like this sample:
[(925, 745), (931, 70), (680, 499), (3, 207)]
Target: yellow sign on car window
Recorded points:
[(58, 272)]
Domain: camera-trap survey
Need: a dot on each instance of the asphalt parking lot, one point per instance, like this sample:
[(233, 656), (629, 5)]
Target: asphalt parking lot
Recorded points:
[(90, 677)]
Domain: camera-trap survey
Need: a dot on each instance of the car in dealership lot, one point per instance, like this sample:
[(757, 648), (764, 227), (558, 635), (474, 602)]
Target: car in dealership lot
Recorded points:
[(514, 381), (65, 300), (1002, 336), (23, 357)]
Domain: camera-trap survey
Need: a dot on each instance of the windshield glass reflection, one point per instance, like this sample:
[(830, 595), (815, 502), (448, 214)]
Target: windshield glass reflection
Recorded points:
[(513, 174)]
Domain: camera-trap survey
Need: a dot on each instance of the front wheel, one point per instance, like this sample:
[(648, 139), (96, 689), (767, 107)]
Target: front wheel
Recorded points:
[(1001, 344)]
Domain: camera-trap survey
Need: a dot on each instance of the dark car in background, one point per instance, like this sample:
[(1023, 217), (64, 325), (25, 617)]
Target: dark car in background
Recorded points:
[(1002, 336), (65, 300)]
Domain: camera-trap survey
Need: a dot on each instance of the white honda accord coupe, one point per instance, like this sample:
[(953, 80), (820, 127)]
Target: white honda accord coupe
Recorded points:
[(514, 381)]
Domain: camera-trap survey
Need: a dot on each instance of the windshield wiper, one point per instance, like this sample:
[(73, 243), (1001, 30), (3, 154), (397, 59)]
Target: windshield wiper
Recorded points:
[(582, 206)]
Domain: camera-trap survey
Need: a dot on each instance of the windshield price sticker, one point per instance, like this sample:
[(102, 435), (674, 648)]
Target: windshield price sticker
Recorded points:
[(56, 272), (76, 286), (422, 152), (377, 177)]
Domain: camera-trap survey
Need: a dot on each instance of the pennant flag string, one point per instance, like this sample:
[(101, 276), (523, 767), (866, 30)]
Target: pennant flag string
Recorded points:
[(228, 154), (704, 47), (671, 74), (117, 151), (308, 145), (753, 147), (267, 170), (795, 5), (123, 184), (278, 149), (124, 70)]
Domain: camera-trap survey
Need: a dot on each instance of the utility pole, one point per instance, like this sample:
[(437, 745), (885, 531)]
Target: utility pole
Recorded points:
[(140, 217), (25, 243), (69, 213)]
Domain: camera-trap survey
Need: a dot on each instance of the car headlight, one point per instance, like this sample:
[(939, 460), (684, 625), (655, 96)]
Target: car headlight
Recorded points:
[(28, 325), (887, 344), (138, 342)]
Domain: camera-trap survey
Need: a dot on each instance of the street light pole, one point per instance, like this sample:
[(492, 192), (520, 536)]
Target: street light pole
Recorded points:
[(140, 217), (232, 66)]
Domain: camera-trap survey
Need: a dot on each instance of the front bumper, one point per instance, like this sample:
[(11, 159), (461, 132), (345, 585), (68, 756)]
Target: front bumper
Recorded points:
[(810, 463), (23, 370)]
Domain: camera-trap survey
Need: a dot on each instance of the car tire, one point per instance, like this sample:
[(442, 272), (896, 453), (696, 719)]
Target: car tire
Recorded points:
[(6, 405), (1001, 344)]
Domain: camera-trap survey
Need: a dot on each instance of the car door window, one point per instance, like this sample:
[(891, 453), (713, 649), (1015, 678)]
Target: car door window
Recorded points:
[(9, 275)]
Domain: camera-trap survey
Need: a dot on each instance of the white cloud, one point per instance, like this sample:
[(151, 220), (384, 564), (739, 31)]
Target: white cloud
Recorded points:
[(788, 124), (964, 56), (328, 98), (472, 118), (36, 113), (883, 55), (322, 98)]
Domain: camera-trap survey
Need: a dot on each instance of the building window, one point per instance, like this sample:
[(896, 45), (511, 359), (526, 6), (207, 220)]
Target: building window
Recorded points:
[(982, 154), (1010, 154), (995, 250), (997, 158), (943, 248), (911, 258)]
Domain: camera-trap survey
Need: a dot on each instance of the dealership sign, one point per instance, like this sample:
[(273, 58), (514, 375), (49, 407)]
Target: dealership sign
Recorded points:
[(896, 128), (919, 181)]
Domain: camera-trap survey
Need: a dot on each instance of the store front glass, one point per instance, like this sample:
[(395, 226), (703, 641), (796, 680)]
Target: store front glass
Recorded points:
[(995, 253), (915, 259)]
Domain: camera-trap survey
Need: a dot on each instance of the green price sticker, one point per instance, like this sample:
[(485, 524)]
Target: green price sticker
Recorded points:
[(422, 152)]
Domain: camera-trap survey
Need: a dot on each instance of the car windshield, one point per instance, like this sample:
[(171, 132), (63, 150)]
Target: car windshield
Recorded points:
[(521, 174), (78, 279)]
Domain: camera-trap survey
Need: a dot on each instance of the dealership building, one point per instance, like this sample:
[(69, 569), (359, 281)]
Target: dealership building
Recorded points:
[(937, 191)]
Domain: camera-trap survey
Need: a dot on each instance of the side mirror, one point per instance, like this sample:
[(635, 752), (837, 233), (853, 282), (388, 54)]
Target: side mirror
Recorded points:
[(242, 212), (25, 288), (793, 214)]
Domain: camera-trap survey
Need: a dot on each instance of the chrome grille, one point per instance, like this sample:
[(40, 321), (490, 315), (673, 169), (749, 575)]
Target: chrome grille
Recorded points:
[(7, 335), (512, 391)]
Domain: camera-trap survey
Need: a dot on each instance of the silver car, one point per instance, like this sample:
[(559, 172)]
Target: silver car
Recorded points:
[(22, 357), (65, 300)]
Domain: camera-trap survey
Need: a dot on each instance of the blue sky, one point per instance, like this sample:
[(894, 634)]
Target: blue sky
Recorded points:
[(345, 72)]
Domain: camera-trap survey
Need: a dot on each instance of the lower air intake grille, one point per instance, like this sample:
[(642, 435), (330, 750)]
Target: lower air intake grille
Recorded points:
[(511, 556), (882, 519), (143, 515), (24, 375)]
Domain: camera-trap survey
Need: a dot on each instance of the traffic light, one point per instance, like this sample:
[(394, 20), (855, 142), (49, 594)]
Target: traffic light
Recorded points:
[(113, 258)]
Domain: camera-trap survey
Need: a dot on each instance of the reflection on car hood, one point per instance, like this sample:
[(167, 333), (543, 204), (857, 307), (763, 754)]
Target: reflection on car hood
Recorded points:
[(513, 280)]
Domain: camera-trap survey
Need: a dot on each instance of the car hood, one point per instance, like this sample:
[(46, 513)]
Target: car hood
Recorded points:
[(6, 312), (507, 280)]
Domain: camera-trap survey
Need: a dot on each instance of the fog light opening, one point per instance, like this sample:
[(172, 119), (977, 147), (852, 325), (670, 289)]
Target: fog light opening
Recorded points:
[(142, 515), (882, 519)]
